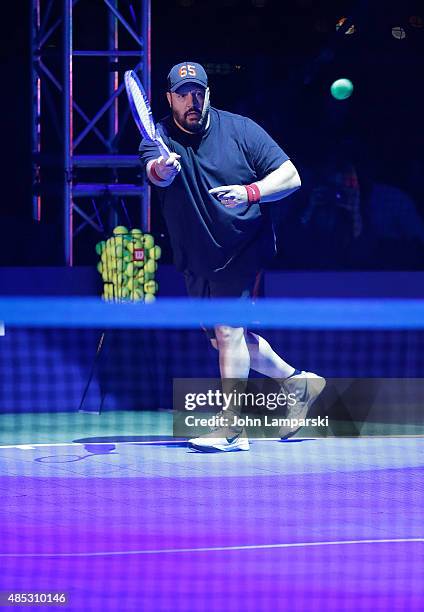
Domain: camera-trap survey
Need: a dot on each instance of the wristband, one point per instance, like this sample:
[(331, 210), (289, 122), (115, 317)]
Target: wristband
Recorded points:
[(154, 174), (253, 193)]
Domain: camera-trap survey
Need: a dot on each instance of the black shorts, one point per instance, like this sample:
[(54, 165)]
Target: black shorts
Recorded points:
[(243, 287)]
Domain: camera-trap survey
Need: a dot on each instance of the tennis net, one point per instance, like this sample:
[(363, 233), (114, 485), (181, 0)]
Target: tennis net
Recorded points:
[(67, 356)]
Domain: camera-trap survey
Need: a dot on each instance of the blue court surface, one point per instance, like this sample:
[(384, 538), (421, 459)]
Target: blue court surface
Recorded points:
[(307, 524)]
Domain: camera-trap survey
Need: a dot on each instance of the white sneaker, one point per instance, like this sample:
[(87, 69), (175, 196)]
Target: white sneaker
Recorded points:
[(307, 387), (221, 439)]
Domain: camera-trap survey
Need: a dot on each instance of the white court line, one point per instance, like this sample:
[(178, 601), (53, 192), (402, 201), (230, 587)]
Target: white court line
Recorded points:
[(214, 548), (29, 446), (33, 446)]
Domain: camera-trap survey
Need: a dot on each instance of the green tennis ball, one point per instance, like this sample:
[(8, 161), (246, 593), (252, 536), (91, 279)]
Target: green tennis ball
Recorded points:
[(139, 263), (150, 286), (133, 284), (107, 290), (120, 265), (137, 294), (119, 230), (148, 275), (100, 247), (129, 270), (155, 252), (341, 89), (149, 241), (136, 232), (118, 278), (140, 276), (111, 263), (151, 266), (106, 277), (149, 298)]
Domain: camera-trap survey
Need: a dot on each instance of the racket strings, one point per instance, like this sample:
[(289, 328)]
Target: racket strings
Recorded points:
[(142, 109)]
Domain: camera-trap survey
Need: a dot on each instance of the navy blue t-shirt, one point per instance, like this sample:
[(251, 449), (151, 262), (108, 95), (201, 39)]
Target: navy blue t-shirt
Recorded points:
[(207, 238)]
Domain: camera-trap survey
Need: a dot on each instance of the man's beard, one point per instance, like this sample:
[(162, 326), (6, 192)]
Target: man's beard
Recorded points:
[(192, 125)]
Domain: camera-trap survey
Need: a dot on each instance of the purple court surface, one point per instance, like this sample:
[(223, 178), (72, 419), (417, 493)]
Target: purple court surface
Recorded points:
[(304, 525)]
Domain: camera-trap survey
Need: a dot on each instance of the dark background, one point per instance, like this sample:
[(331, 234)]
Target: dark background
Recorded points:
[(274, 62)]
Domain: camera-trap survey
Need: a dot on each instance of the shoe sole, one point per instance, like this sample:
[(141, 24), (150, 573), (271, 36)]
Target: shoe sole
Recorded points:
[(233, 447), (319, 389)]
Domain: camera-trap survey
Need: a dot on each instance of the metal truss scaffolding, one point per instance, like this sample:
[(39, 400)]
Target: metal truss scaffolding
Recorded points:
[(82, 133)]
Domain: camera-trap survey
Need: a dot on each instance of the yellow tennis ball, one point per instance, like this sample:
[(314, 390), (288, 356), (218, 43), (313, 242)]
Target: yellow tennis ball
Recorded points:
[(148, 241), (119, 230), (120, 265), (100, 267), (150, 286), (155, 252), (118, 278), (136, 232), (148, 275), (136, 244), (140, 276), (106, 277), (149, 298), (129, 270), (137, 294), (117, 291), (132, 284), (151, 266), (111, 263)]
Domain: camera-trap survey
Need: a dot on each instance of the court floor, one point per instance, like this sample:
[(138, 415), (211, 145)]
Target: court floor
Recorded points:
[(147, 524)]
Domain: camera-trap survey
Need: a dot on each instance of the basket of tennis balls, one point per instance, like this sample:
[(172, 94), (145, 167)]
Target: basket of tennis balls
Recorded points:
[(128, 264)]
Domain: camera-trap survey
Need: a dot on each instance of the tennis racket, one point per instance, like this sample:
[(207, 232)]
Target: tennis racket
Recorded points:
[(142, 112)]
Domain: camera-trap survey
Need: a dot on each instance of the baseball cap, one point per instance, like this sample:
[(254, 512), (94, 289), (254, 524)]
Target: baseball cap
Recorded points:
[(186, 72)]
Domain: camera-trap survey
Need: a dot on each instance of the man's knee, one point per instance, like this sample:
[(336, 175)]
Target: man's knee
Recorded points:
[(228, 336)]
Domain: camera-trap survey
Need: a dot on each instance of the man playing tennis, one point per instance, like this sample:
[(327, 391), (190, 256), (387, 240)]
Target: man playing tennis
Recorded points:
[(214, 190)]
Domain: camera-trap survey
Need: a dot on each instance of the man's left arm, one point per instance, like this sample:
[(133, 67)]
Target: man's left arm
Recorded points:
[(276, 185)]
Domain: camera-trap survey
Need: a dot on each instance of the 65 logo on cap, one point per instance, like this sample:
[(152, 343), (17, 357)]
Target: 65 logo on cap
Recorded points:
[(186, 72)]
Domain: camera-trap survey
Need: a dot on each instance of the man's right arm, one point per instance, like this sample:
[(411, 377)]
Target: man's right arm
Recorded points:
[(161, 172)]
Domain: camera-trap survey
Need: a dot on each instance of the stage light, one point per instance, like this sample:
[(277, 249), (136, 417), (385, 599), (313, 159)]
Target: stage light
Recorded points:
[(398, 32), (341, 21)]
